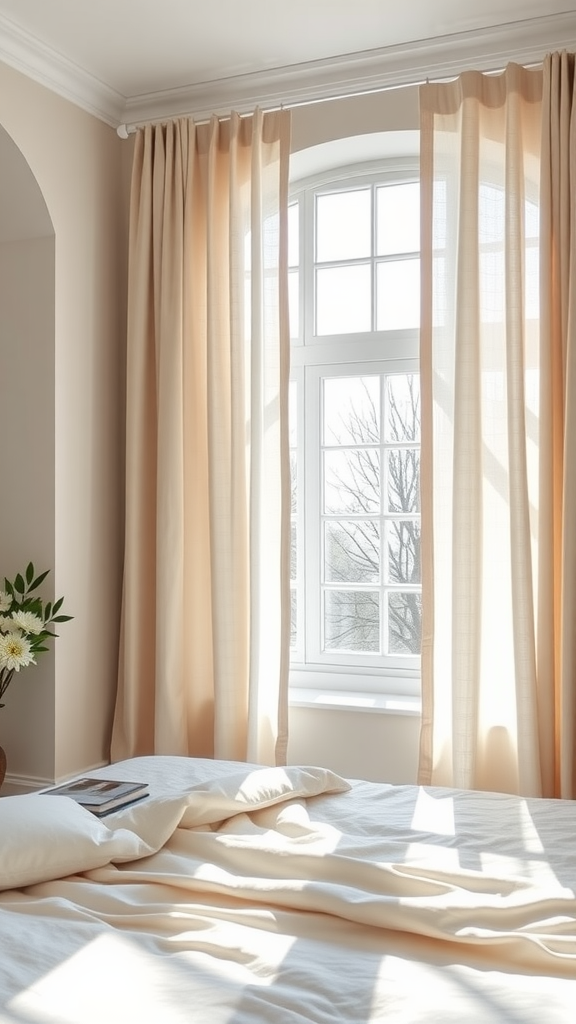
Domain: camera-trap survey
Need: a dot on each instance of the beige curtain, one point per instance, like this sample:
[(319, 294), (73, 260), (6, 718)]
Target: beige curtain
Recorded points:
[(205, 625), (557, 637), (498, 504)]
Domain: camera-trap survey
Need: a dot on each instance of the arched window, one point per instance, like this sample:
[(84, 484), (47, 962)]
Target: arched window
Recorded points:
[(355, 428)]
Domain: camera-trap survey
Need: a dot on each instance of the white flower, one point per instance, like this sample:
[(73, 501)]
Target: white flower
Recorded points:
[(27, 622), (15, 651), (5, 601)]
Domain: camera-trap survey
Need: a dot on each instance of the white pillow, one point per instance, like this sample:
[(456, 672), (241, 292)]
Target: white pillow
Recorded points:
[(46, 837)]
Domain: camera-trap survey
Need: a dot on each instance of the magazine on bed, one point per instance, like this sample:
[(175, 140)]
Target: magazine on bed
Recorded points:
[(101, 796)]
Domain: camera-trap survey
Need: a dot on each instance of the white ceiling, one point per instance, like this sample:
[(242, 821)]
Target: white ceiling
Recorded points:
[(129, 60)]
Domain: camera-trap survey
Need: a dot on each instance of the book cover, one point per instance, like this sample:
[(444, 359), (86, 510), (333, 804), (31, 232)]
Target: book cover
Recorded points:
[(101, 795)]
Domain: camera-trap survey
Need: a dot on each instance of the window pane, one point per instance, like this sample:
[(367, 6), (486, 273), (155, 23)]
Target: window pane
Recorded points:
[(293, 235), (269, 241), (343, 300), (292, 413), (532, 219), (441, 306), (398, 218), (404, 623), (293, 551), (403, 466), (403, 542), (352, 620), (398, 295), (440, 206), (343, 226), (351, 410), (352, 552), (491, 212), (294, 303), (492, 287), (293, 618), (352, 481), (402, 407)]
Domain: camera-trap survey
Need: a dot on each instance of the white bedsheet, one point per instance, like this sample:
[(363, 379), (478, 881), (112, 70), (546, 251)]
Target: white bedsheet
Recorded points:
[(248, 904)]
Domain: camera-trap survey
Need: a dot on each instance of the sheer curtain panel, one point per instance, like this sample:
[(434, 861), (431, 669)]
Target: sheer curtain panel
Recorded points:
[(498, 502), (205, 625)]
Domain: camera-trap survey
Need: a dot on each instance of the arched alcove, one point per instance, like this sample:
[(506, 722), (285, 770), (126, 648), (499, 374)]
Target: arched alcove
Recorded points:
[(27, 417), (23, 211)]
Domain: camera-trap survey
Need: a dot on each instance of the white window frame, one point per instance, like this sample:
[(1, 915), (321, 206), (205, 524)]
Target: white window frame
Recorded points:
[(312, 357)]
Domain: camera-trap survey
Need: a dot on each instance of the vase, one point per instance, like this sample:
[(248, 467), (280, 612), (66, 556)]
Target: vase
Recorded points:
[(5, 680)]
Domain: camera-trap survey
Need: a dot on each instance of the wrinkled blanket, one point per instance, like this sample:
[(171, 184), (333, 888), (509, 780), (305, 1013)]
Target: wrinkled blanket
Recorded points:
[(292, 895)]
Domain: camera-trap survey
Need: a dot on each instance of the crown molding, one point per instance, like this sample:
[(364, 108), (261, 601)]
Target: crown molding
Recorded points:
[(523, 42), (31, 57)]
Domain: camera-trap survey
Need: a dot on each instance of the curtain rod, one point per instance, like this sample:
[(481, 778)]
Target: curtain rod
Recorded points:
[(125, 130)]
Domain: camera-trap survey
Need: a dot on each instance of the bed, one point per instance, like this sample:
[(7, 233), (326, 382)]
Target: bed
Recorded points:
[(236, 894)]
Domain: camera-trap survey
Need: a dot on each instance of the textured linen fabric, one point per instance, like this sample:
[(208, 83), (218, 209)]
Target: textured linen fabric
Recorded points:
[(206, 612), (498, 392), (310, 899)]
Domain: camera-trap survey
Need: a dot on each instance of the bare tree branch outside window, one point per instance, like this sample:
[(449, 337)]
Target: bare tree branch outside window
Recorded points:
[(371, 518)]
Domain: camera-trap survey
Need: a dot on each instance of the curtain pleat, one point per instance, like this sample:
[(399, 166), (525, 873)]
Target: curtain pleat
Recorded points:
[(494, 479), (557, 637), (204, 640)]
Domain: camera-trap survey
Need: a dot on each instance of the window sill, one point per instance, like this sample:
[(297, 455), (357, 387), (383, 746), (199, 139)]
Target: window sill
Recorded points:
[(342, 700)]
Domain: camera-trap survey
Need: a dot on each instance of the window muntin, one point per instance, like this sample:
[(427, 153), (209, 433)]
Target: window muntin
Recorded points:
[(366, 258)]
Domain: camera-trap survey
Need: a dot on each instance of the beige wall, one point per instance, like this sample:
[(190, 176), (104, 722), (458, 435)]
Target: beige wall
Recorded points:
[(68, 512), (376, 745), (27, 468), (390, 111)]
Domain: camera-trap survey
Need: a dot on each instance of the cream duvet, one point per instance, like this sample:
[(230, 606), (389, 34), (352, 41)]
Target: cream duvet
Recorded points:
[(237, 895)]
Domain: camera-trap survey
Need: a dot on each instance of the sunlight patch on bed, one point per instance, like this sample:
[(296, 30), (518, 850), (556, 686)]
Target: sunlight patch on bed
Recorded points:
[(434, 814), (427, 986), (88, 983), (527, 829), (115, 978)]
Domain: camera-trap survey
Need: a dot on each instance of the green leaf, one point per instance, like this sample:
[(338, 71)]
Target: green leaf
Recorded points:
[(8, 587), (29, 573), (19, 584), (39, 579), (47, 611), (62, 618), (57, 605)]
